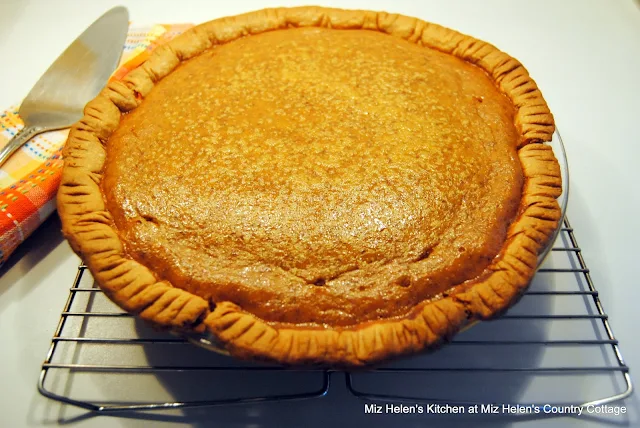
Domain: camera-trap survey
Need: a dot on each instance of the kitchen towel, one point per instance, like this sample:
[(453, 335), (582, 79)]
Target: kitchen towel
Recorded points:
[(29, 179)]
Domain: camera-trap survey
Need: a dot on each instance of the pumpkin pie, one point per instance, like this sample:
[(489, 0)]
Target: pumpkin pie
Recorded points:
[(315, 186)]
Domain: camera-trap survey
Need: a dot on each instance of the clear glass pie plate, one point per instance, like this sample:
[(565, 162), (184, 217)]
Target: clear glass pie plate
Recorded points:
[(210, 342)]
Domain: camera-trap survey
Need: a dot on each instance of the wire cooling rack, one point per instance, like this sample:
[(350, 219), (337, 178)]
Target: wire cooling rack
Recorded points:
[(554, 346)]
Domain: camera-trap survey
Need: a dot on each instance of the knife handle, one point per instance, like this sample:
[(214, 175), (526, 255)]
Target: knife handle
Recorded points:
[(18, 140)]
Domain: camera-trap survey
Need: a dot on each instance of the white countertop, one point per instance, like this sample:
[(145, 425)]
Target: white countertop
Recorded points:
[(585, 56)]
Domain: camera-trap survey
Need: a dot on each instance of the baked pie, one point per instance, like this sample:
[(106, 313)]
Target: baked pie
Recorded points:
[(315, 186)]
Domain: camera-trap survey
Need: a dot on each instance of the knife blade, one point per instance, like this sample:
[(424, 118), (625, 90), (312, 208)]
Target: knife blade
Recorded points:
[(57, 100)]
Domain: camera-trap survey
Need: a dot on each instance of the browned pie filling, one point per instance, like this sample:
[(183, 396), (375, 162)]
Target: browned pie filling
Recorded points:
[(317, 176)]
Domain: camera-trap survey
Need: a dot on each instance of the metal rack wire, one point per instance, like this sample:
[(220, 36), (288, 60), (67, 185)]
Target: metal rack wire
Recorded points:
[(80, 352)]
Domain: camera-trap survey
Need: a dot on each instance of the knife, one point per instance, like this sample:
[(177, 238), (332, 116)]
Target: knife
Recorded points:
[(57, 101)]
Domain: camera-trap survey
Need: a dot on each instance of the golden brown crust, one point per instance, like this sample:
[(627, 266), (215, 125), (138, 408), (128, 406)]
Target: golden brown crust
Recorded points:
[(88, 224)]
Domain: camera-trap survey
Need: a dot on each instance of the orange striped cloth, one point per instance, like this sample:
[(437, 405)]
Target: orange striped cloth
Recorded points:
[(29, 179)]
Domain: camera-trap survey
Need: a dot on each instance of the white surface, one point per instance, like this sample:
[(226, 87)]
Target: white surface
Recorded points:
[(585, 56)]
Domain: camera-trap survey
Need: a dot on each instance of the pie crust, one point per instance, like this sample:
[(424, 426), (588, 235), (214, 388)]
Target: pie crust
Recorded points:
[(93, 208)]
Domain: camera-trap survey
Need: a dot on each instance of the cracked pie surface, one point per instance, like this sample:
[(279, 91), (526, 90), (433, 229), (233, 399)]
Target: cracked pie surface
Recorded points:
[(315, 186)]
